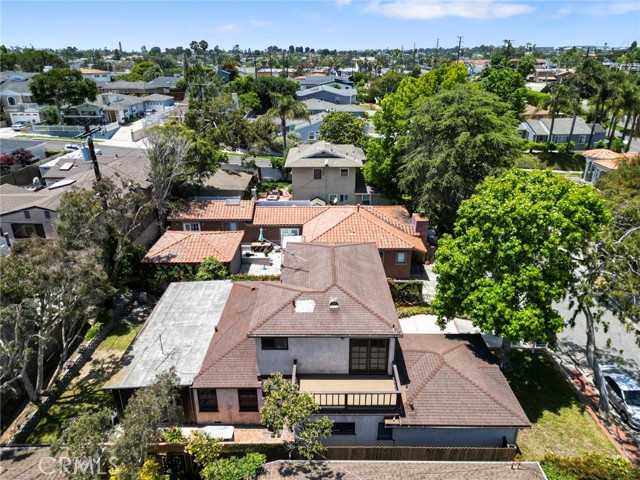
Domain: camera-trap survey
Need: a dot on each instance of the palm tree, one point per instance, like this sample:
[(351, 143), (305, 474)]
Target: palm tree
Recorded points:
[(195, 46), (285, 107), (630, 105), (558, 98), (203, 46), (572, 103), (603, 94)]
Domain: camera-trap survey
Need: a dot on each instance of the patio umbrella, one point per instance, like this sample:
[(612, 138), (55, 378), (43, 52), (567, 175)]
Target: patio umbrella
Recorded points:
[(261, 236)]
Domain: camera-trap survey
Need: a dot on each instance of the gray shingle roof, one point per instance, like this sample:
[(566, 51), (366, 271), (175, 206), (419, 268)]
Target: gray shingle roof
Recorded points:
[(562, 126), (314, 104), (323, 154), (346, 92)]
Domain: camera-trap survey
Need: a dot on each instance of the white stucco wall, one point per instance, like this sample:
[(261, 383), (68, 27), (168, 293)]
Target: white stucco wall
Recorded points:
[(454, 437), (305, 187)]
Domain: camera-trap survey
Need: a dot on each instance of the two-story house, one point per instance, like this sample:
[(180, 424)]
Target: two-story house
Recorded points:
[(16, 97), (330, 173), (330, 326)]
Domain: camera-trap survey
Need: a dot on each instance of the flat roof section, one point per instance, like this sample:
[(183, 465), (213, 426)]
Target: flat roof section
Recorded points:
[(176, 334)]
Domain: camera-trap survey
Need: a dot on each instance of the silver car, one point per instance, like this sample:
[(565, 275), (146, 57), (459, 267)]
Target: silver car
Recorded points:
[(624, 394)]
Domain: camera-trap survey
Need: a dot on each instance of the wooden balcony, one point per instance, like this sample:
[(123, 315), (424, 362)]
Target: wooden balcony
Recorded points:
[(353, 393)]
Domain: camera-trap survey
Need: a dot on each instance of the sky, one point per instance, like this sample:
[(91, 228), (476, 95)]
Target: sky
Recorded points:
[(333, 24)]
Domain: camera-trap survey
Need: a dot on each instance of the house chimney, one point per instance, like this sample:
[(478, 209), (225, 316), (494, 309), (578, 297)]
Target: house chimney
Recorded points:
[(420, 226), (358, 207), (254, 194)]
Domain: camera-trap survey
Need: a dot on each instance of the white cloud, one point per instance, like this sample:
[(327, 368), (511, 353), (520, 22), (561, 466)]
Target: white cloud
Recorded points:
[(342, 3), (221, 30), (562, 12), (430, 9), (620, 8), (259, 23)]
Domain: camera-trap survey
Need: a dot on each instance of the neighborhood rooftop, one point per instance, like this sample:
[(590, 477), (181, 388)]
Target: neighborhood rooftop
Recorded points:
[(176, 247)]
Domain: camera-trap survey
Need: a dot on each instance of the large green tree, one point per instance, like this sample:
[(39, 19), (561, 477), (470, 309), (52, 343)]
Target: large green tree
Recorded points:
[(455, 139), (62, 87), (507, 85), (516, 249), (343, 128)]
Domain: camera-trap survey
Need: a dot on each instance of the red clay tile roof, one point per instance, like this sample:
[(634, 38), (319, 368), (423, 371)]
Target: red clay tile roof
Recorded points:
[(318, 273), (361, 224), (285, 216), (454, 381), (601, 154), (231, 361), (193, 247), (213, 210), (614, 163)]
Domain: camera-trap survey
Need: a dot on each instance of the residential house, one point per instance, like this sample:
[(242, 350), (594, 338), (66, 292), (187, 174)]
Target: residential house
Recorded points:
[(229, 181), (98, 76), (330, 326), (311, 81), (124, 86), (601, 161), (309, 130), (211, 215), (327, 93), (36, 147), (474, 67), (16, 97), (533, 112), (316, 106), (162, 85), (26, 212), (191, 248), (537, 130), (117, 107), (330, 173)]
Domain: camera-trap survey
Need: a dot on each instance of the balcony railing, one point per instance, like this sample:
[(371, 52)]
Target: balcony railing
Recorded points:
[(343, 393), (24, 107)]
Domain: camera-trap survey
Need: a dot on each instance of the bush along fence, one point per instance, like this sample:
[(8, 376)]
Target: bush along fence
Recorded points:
[(62, 383), (443, 454), (406, 293)]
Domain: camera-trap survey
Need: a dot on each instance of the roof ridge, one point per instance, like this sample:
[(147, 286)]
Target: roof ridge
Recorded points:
[(428, 378), (175, 240), (273, 314), (220, 357), (340, 220), (383, 216), (361, 303), (388, 226), (483, 390)]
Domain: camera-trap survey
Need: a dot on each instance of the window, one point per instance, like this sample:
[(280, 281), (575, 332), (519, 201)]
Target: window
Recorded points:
[(47, 214), (207, 400), (559, 139), (317, 174), (582, 139), (229, 226), (275, 344), (248, 399), (191, 227), (289, 232), (384, 433), (366, 199), (27, 230), (313, 135), (343, 428), (344, 197), (368, 355), (401, 258), (11, 101), (27, 214), (344, 172), (333, 199)]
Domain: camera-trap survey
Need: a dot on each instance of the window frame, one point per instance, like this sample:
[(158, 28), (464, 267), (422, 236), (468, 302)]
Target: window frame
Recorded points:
[(244, 393), (321, 176), (404, 258), (366, 199), (27, 214), (368, 370), (226, 226), (188, 227), (582, 139), (346, 428), (342, 170), (207, 391), (273, 346), (344, 197), (333, 199)]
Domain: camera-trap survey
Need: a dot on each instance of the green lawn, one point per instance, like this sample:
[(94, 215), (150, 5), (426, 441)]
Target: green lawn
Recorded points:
[(561, 423), (85, 394), (555, 161)]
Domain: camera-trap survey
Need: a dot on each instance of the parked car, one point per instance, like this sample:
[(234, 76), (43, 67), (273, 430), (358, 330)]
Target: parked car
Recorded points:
[(18, 126), (73, 146), (624, 394)]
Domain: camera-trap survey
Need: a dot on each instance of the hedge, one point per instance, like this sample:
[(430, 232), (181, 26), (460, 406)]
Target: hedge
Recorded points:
[(589, 467), (406, 293)]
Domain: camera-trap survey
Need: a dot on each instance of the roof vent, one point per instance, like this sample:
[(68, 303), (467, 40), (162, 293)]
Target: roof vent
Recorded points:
[(304, 306), (333, 303)]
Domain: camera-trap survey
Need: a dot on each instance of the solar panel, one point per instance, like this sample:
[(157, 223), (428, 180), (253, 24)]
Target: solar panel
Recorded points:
[(61, 183), (66, 166)]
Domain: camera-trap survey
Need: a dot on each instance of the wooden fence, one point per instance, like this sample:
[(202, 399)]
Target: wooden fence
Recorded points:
[(443, 454)]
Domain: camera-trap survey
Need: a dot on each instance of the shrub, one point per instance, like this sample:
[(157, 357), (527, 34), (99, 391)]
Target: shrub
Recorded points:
[(536, 98), (539, 146), (618, 145), (92, 332), (550, 147), (404, 312), (243, 277), (173, 434), (566, 147), (406, 293), (600, 144), (212, 269), (589, 467)]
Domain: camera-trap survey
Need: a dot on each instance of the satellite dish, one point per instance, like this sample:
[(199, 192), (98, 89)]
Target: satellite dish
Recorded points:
[(36, 182)]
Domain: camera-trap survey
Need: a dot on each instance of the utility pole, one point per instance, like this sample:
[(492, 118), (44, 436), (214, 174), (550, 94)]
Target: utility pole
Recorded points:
[(435, 57), (414, 54), (94, 159), (459, 49)]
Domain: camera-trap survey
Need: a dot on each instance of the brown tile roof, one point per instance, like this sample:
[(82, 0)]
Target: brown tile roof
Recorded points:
[(614, 163), (361, 224), (399, 470), (317, 273), (285, 216), (194, 247), (601, 154), (213, 210), (230, 361), (454, 381)]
